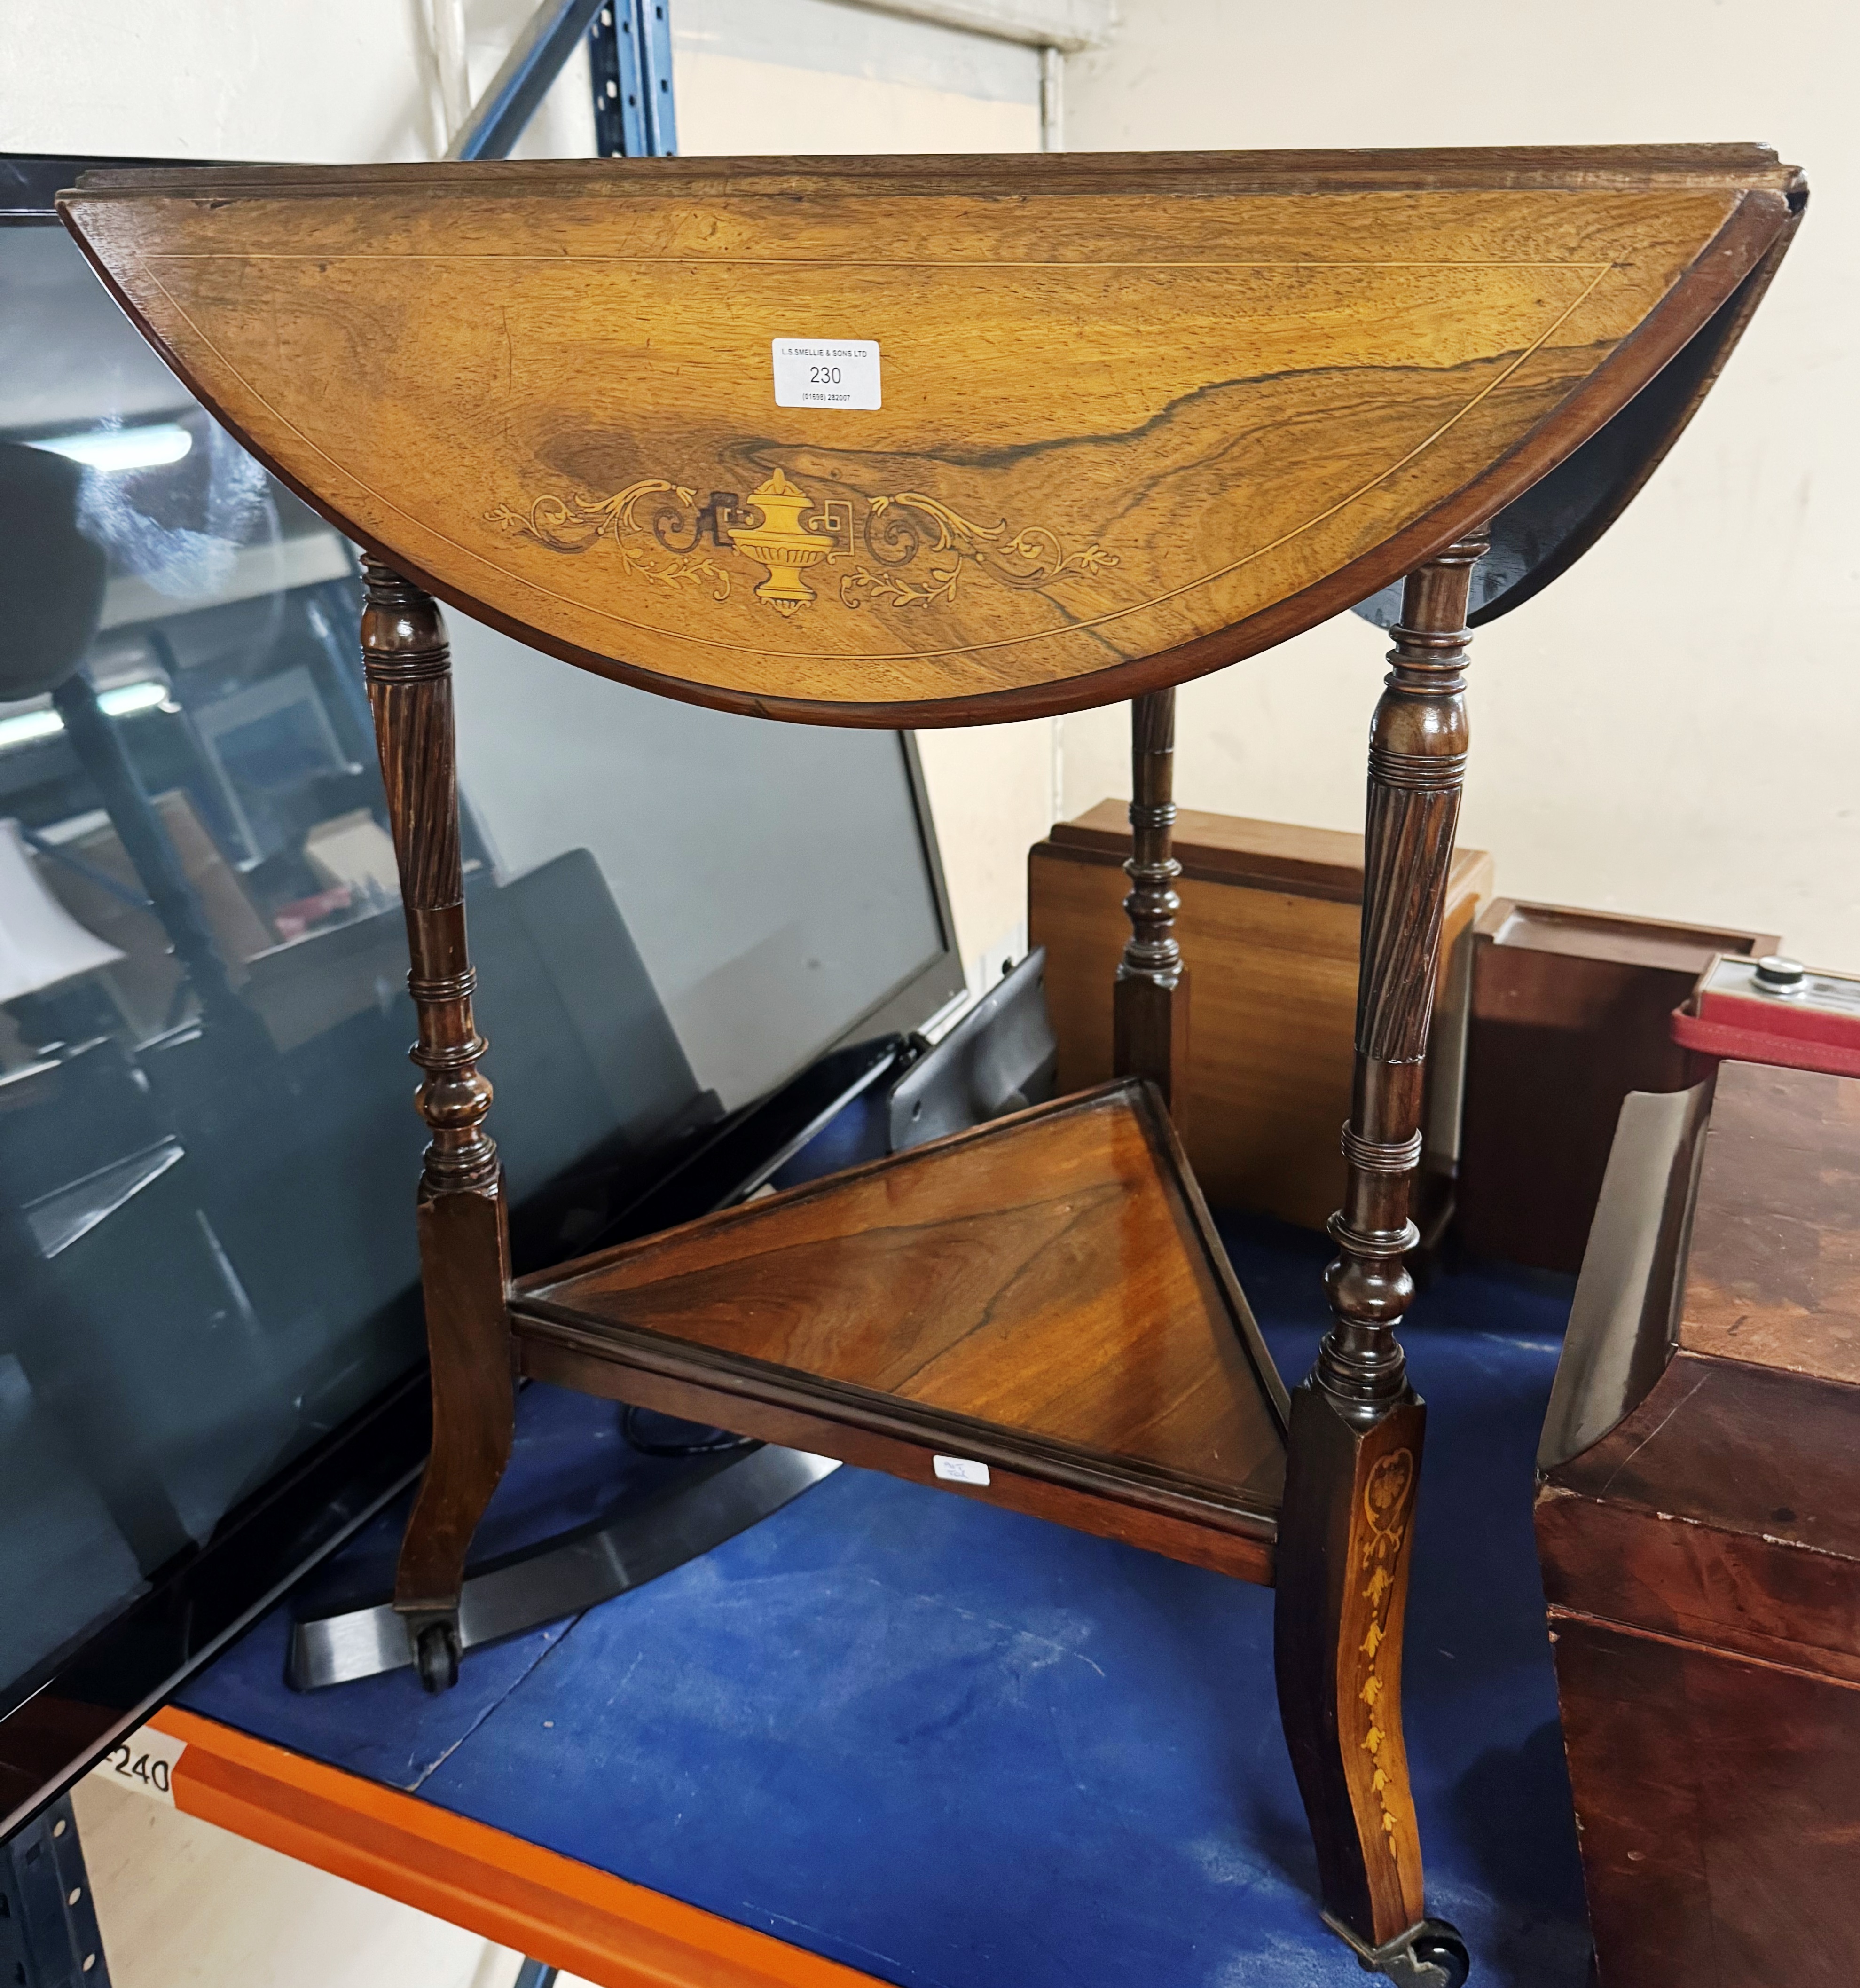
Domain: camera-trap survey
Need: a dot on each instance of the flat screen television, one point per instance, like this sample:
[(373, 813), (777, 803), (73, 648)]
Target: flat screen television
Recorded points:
[(211, 1354)]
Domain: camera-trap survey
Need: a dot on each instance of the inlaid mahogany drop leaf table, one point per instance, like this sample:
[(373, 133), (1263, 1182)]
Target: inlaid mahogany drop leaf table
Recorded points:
[(1048, 433)]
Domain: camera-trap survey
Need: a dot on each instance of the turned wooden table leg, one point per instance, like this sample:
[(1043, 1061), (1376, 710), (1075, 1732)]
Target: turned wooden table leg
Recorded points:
[(1150, 1003), (1353, 1468), (463, 1246)]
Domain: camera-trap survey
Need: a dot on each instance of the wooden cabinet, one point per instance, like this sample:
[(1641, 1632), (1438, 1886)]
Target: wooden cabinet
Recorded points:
[(1699, 1525), (1269, 932), (1570, 1011)]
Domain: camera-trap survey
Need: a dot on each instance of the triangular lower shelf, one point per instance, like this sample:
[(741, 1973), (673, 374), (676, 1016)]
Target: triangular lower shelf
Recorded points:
[(1044, 1295)]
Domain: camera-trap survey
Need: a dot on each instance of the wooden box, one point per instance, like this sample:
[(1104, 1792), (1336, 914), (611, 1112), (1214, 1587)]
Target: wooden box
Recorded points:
[(1570, 1011), (1698, 1523), (1269, 933)]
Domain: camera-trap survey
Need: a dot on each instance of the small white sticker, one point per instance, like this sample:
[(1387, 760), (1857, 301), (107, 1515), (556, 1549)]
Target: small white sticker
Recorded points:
[(960, 1470), (827, 373), (144, 1763)]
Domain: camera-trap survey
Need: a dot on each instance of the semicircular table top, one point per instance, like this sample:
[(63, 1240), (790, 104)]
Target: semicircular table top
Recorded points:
[(922, 440)]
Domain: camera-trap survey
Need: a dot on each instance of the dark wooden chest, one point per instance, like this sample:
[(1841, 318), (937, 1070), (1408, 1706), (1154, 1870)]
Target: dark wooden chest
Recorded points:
[(1699, 1525)]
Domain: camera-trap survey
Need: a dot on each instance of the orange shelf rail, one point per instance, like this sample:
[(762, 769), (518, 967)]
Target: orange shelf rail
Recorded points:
[(586, 1921)]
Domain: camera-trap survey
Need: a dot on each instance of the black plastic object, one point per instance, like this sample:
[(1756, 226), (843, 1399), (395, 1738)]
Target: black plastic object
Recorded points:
[(743, 1153), (1776, 974), (51, 577), (1000, 1057), (111, 1684)]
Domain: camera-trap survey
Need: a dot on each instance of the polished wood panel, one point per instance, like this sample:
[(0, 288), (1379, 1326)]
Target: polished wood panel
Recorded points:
[(1357, 1422), (1702, 1563), (1328, 370), (1269, 930), (1177, 1521), (1720, 1801), (1722, 1587), (1044, 1295), (1774, 1278)]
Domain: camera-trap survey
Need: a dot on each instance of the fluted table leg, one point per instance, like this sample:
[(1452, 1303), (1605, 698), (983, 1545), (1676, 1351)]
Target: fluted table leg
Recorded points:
[(1346, 1527), (463, 1246)]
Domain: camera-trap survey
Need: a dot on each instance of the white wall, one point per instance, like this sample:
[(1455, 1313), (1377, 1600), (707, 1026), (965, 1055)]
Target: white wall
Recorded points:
[(1673, 728), (802, 76), (323, 80)]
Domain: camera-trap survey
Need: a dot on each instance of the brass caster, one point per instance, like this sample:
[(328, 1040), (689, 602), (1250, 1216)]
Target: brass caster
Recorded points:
[(1431, 1954)]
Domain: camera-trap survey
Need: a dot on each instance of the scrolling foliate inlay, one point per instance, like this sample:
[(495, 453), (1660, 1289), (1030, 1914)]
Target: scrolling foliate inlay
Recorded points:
[(573, 524), (919, 548), (898, 529), (1385, 1504)]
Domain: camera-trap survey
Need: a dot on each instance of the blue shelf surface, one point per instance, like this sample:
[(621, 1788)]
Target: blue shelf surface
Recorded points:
[(955, 1747)]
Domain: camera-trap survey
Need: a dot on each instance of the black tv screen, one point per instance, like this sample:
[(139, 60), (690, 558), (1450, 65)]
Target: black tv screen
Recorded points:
[(210, 1342)]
